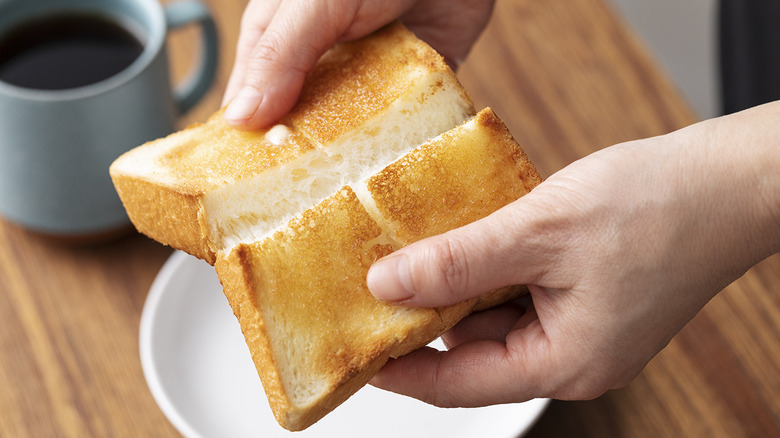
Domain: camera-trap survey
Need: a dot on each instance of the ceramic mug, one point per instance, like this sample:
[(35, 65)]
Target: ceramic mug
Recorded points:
[(56, 145)]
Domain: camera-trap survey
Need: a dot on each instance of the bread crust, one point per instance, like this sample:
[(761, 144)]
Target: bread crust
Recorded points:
[(307, 280), (461, 176), (340, 334), (351, 85), (173, 217), (314, 331)]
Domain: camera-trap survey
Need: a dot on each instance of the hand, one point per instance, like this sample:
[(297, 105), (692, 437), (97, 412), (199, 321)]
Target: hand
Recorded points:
[(281, 40), (620, 250)]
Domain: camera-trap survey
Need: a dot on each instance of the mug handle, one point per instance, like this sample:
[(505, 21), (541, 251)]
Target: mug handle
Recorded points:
[(194, 86)]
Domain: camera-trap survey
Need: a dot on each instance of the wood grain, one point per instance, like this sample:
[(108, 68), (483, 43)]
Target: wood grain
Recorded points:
[(568, 78), (69, 362)]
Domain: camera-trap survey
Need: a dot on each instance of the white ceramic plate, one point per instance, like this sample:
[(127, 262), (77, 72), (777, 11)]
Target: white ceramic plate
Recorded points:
[(201, 375)]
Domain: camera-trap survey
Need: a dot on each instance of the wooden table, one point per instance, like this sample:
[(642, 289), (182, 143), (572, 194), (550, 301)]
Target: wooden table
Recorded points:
[(568, 79)]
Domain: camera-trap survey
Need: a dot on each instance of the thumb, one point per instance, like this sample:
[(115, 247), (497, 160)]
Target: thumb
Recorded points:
[(460, 264)]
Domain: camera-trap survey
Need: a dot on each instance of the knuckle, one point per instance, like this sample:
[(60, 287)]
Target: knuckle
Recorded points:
[(434, 395), (442, 393), (267, 50), (263, 56), (450, 264), (272, 53)]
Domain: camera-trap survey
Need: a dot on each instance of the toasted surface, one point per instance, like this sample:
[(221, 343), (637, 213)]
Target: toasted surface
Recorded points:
[(315, 332), (375, 155), (365, 103), (461, 176), (330, 106), (182, 226), (325, 331)]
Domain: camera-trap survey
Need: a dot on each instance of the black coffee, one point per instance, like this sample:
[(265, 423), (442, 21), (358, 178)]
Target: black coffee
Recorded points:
[(65, 51)]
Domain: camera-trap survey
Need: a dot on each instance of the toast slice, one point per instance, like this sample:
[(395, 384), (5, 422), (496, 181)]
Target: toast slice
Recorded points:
[(382, 150), (206, 188), (315, 332)]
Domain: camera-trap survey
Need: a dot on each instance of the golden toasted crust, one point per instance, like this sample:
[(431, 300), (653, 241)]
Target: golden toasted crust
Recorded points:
[(315, 332), (180, 226), (330, 106), (351, 84), (215, 154), (166, 202), (464, 175), (303, 302), (234, 273)]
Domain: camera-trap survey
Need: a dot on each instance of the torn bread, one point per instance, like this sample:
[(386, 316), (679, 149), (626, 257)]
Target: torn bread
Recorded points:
[(382, 150), (315, 332), (208, 187)]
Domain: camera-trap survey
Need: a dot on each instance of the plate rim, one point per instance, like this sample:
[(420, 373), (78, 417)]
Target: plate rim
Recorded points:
[(147, 322), (175, 262)]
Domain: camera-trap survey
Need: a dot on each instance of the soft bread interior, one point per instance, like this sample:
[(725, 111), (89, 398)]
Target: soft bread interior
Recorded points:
[(365, 104), (248, 209), (323, 334), (294, 215), (317, 341)]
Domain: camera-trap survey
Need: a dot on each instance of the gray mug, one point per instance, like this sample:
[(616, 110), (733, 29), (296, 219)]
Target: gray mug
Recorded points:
[(56, 145)]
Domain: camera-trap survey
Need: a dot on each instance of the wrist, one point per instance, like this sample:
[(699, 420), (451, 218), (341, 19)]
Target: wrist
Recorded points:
[(734, 167), (754, 138)]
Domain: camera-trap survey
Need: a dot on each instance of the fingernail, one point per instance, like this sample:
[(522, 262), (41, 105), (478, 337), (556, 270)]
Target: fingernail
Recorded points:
[(389, 279), (242, 107)]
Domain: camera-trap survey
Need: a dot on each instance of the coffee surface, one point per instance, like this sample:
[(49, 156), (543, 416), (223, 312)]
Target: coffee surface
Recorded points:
[(66, 51)]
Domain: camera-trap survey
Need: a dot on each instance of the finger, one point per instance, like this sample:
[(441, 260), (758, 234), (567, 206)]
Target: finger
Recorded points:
[(502, 249), (273, 73), (451, 31), (300, 32), (472, 374), (492, 324), (254, 21)]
